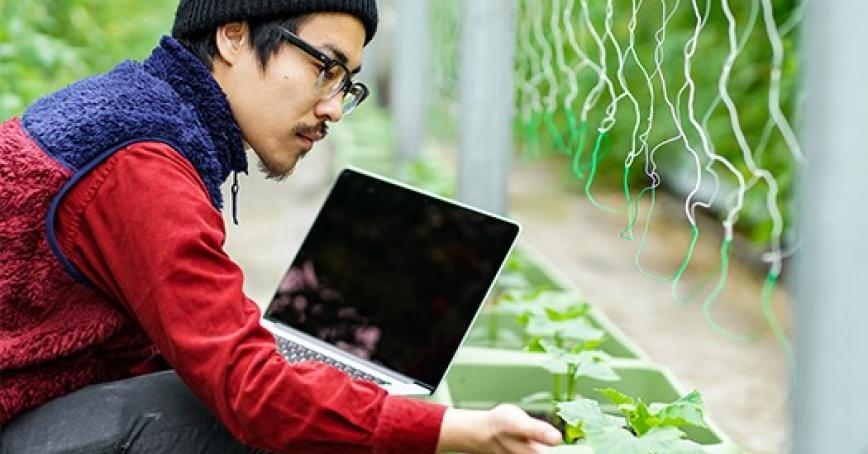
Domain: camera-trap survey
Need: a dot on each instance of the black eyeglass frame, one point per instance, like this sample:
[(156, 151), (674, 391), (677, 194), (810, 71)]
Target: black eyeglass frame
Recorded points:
[(328, 63)]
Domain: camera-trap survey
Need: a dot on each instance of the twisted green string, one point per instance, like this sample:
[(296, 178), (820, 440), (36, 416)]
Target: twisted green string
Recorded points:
[(531, 134), (725, 249), (572, 142), (676, 278), (602, 143), (641, 248), (557, 138), (632, 207), (771, 319), (580, 148)]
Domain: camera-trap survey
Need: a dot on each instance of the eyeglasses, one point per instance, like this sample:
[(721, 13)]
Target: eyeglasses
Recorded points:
[(334, 76)]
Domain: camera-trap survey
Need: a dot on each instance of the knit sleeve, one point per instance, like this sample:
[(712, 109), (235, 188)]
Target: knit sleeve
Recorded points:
[(141, 228)]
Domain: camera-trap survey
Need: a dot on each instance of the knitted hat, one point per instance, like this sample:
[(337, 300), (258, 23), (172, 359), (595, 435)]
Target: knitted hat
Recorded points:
[(194, 16)]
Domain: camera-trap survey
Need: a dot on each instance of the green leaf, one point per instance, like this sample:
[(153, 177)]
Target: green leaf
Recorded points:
[(642, 421), (595, 364), (569, 311), (616, 440), (688, 410), (558, 360), (562, 304), (634, 410), (668, 440), (590, 344), (557, 363), (536, 345), (586, 416), (577, 329), (511, 303), (513, 280), (572, 433), (617, 397)]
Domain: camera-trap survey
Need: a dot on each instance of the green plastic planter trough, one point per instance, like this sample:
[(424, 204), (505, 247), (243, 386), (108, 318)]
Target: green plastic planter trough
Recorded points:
[(498, 330), (481, 378), (508, 334)]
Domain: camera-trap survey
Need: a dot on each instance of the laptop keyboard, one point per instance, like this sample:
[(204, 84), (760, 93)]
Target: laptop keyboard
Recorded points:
[(296, 353)]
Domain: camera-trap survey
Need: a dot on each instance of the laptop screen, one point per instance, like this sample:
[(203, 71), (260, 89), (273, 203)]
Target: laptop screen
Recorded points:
[(392, 275)]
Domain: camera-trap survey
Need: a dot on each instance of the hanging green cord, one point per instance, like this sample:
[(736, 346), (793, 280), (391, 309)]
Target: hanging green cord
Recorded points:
[(601, 143), (632, 208), (557, 138), (642, 240), (531, 133), (771, 319), (572, 142), (725, 249), (677, 277), (580, 148)]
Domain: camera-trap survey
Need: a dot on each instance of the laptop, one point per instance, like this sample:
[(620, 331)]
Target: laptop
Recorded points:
[(387, 282)]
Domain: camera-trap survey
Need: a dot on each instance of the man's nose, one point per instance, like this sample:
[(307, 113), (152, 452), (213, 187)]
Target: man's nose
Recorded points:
[(332, 109)]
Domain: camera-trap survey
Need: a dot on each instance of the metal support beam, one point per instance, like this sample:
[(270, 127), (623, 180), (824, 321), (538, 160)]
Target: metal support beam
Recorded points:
[(829, 397), (410, 91), (487, 102)]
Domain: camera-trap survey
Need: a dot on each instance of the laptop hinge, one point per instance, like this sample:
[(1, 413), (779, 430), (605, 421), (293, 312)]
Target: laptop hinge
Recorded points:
[(424, 385)]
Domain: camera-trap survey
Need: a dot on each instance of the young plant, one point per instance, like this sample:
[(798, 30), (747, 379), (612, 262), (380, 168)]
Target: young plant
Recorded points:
[(644, 429), (543, 313), (514, 275), (568, 366), (512, 279)]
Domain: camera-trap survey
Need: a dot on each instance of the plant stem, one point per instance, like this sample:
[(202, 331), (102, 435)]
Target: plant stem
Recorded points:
[(556, 389), (571, 382), (556, 397)]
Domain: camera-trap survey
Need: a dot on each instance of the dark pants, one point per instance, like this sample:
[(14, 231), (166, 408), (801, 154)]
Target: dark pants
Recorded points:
[(153, 413)]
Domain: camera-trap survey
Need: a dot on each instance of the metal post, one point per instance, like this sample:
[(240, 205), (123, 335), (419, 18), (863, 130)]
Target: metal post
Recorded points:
[(376, 61), (410, 91), (830, 400), (487, 102)]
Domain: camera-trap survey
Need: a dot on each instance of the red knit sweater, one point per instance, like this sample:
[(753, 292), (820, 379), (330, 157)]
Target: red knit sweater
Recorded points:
[(141, 227)]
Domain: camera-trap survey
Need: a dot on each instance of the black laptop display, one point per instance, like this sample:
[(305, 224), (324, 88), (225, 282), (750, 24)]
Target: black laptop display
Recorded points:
[(393, 275)]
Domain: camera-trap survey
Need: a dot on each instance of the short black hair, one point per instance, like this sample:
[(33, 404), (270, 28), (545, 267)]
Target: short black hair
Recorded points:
[(265, 36)]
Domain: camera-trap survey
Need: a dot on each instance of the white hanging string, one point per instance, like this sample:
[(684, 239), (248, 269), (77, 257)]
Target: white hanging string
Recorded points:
[(775, 83)]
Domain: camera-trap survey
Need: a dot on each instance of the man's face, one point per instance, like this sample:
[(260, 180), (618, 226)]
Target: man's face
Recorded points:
[(279, 110)]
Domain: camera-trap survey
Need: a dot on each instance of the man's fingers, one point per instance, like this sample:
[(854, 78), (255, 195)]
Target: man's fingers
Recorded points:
[(528, 428), (515, 446), (543, 432)]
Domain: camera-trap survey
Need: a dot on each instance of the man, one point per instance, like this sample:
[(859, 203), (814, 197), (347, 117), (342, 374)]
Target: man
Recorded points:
[(123, 326)]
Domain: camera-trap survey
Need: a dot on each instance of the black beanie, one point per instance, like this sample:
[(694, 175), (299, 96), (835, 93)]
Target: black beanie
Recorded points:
[(195, 16)]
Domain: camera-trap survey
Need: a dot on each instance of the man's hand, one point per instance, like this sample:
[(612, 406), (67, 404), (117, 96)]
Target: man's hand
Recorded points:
[(505, 429)]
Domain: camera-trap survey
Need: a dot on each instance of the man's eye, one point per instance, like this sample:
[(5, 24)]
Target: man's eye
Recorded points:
[(333, 73)]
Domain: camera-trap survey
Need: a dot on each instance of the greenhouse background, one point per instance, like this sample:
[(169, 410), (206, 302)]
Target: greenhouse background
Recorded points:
[(630, 178)]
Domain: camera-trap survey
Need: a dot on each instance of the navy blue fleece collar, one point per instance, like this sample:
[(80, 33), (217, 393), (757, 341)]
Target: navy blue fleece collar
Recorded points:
[(194, 84)]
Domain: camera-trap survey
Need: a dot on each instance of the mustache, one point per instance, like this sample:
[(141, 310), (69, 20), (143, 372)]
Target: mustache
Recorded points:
[(321, 130)]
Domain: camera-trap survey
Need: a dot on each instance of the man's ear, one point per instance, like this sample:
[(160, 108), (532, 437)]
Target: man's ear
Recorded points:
[(231, 40)]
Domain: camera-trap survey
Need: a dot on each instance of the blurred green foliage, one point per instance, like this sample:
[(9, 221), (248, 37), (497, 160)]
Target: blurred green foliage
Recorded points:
[(749, 88), (48, 44)]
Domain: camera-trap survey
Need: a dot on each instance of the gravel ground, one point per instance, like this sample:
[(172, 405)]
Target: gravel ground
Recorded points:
[(744, 384)]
